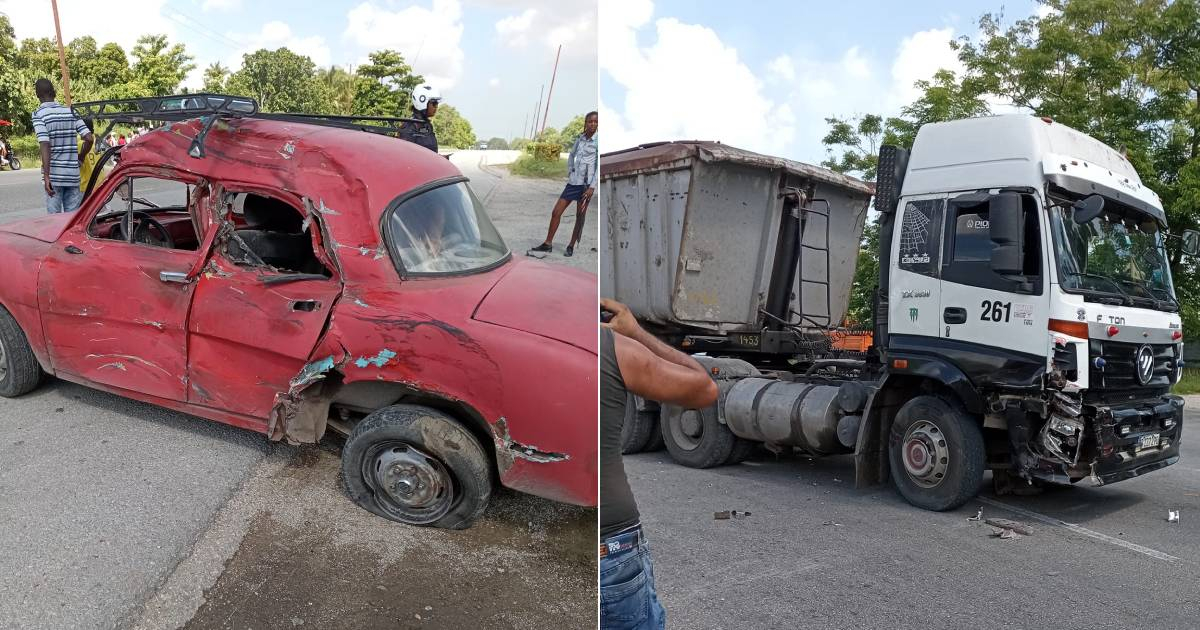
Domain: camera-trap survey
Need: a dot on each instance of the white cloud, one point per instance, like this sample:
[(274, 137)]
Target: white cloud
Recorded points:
[(429, 38), (274, 34), (569, 24), (514, 29), (494, 81), (670, 91), (78, 18), (919, 57), (782, 69), (221, 5)]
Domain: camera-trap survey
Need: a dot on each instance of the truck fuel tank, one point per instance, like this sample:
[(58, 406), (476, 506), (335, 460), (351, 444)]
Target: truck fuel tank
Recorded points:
[(794, 414)]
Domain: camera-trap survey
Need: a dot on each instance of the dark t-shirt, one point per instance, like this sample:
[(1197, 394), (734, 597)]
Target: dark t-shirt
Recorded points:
[(617, 507)]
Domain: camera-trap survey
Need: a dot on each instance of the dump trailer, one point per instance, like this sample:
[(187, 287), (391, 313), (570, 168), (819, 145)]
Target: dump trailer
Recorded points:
[(1024, 319)]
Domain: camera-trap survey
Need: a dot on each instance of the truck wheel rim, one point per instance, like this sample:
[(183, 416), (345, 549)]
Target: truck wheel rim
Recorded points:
[(925, 454), (3, 362), (409, 484), (687, 429)]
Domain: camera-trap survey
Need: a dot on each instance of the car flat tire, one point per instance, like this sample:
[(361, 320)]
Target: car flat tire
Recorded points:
[(418, 466), (19, 369)]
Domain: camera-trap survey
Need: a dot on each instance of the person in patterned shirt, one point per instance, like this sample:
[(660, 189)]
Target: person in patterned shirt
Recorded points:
[(56, 128)]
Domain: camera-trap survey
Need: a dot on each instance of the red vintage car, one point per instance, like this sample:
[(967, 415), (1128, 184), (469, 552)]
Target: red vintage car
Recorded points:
[(292, 274)]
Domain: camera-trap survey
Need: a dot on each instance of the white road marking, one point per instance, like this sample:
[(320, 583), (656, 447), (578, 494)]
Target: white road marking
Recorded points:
[(1078, 529)]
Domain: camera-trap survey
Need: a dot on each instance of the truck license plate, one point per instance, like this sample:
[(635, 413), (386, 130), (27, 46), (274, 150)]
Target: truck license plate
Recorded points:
[(1147, 441)]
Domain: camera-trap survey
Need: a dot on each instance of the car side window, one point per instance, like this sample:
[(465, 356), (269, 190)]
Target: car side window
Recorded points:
[(921, 236), (150, 211), (269, 232)]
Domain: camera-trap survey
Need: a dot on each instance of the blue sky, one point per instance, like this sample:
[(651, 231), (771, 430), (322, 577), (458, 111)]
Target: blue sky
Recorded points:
[(764, 75), (490, 57)]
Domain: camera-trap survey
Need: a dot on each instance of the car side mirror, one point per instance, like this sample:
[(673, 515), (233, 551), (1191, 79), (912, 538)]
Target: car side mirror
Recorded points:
[(1191, 242), (1006, 228), (1088, 208)]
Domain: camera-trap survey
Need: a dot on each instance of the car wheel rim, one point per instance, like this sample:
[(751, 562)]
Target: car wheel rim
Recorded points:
[(3, 362), (925, 454), (687, 429), (409, 485)]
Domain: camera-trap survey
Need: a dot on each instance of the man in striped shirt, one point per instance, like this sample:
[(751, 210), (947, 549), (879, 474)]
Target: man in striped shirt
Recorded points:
[(56, 127)]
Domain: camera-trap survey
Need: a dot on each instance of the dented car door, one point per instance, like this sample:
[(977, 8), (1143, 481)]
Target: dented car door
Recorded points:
[(114, 311), (263, 300)]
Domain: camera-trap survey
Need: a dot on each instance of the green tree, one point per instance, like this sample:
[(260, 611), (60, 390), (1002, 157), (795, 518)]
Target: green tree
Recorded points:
[(12, 100), (452, 129), (281, 81), (571, 131), (159, 66), (214, 77), (111, 66), (341, 86), (497, 143), (39, 58), (384, 86)]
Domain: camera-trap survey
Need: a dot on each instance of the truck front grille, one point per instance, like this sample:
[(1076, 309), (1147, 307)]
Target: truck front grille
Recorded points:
[(1119, 372)]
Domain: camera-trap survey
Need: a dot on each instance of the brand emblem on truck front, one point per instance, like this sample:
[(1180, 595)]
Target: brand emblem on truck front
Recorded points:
[(912, 314), (1145, 364)]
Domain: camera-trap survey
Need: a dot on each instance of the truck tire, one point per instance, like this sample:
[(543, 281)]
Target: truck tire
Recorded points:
[(636, 429), (742, 450), (694, 437), (417, 466), (936, 453), (19, 369), (655, 443)]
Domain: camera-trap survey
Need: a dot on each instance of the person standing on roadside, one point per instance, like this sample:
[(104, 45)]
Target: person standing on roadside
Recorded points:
[(583, 164), (425, 100), (56, 128), (633, 360)]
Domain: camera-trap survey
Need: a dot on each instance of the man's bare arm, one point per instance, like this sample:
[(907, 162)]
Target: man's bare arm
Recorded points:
[(45, 151), (655, 378), (88, 141)]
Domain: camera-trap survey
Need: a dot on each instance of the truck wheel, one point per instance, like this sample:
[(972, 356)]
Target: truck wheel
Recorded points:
[(936, 454), (19, 369), (655, 443), (417, 466), (694, 437), (636, 429), (742, 450)]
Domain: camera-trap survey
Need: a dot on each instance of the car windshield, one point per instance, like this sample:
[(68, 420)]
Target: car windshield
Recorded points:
[(444, 230), (1113, 256)]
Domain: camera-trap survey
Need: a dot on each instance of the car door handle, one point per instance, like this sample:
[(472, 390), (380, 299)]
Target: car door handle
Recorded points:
[(71, 249), (173, 276), (954, 315)]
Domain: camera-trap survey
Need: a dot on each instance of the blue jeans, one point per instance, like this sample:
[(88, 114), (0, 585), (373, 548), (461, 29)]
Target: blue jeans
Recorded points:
[(627, 598), (65, 199)]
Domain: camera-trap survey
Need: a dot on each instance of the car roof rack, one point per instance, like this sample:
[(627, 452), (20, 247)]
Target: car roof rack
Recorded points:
[(210, 107)]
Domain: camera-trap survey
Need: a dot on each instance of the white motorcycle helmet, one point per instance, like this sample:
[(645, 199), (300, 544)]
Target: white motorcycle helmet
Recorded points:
[(423, 95)]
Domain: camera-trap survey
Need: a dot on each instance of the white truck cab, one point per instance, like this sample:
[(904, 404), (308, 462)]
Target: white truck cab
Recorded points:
[(1027, 261)]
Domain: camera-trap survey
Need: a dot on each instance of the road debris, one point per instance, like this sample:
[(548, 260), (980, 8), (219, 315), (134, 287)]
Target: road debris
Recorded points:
[(1172, 516), (1004, 523), (728, 514), (978, 516), (1003, 534)]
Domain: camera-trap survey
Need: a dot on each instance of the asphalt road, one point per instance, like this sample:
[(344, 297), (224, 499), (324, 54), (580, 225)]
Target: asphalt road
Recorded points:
[(118, 514), (817, 553)]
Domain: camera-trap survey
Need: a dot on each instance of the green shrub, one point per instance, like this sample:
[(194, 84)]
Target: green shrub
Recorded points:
[(528, 165), (26, 148), (544, 151)]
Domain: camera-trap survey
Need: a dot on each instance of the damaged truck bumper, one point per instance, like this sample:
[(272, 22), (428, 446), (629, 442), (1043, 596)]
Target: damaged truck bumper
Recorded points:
[(1109, 443)]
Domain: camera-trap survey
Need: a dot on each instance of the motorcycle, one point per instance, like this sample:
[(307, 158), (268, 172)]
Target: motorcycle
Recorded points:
[(14, 162)]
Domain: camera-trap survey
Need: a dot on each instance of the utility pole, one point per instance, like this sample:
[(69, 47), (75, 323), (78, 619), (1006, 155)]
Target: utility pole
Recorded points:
[(525, 127), (551, 93), (536, 109), (62, 56)]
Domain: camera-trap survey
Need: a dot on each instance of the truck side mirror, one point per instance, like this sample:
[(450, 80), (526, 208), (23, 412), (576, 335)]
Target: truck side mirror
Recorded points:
[(1006, 228), (1088, 208), (1191, 242)]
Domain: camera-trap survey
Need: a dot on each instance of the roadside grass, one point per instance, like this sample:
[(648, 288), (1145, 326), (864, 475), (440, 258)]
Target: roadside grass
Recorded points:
[(1189, 384), (530, 166)]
